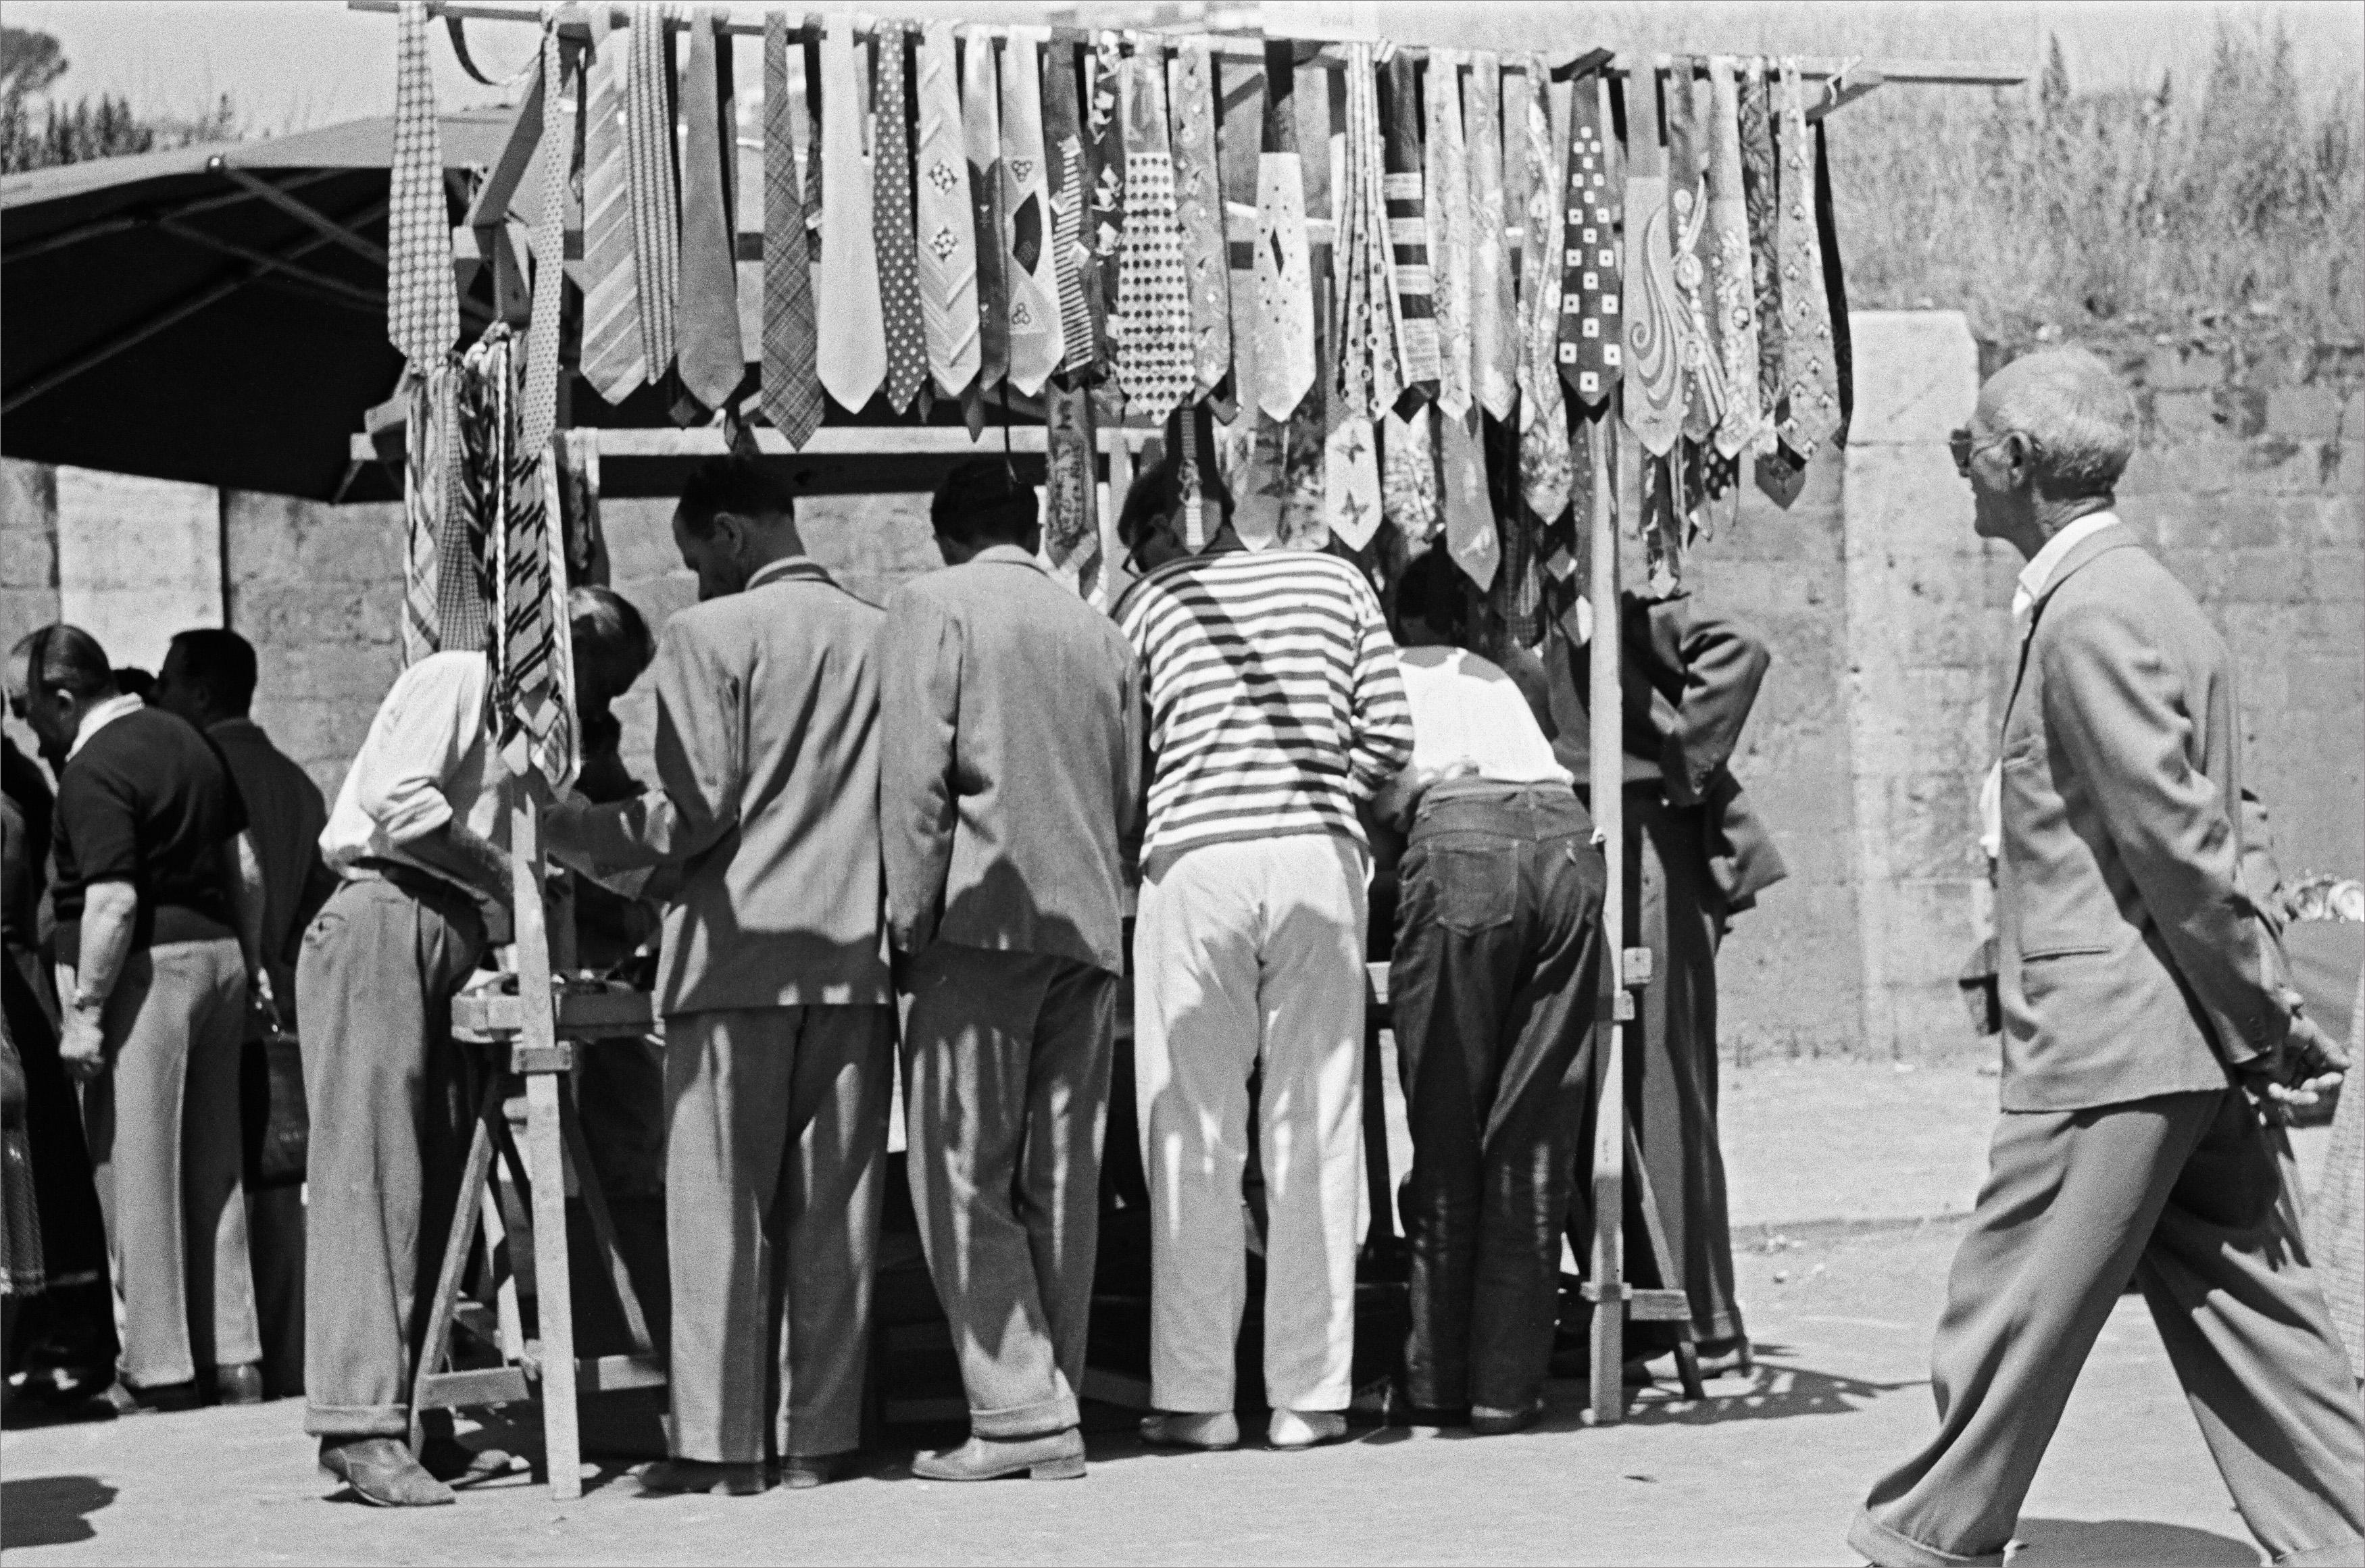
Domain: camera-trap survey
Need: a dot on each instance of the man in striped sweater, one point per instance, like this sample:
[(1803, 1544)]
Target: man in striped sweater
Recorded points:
[(1276, 710)]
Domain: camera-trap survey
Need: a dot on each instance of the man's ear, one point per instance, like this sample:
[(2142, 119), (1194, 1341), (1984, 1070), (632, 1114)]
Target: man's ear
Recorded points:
[(730, 535)]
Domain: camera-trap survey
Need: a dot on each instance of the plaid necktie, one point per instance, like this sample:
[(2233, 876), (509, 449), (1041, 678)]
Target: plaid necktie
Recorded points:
[(1543, 417), (899, 253), (538, 411), (422, 304), (791, 392), (1448, 230), (1154, 365), (1810, 374), (706, 323), (1285, 360), (1761, 196), (1653, 404), (1199, 205), (426, 492), (1408, 214), (1063, 146), (981, 138), (648, 143), (948, 226), (611, 357), (1733, 283), (1038, 341), (1689, 232), (1104, 165), (1591, 352), (852, 356), (1493, 306)]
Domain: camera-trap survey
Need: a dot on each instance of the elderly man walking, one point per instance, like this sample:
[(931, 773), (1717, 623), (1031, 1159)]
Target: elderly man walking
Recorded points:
[(1010, 716), (1277, 710), (2143, 1029), (774, 986)]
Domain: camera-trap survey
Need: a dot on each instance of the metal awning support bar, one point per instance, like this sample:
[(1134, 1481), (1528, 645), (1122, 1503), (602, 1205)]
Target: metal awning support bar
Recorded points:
[(310, 216), (122, 222)]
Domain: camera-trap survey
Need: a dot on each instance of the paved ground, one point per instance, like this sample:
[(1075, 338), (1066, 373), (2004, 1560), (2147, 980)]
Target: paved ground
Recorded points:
[(1767, 1471)]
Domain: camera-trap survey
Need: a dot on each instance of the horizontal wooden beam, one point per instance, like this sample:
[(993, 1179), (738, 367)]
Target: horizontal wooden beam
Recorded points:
[(709, 441)]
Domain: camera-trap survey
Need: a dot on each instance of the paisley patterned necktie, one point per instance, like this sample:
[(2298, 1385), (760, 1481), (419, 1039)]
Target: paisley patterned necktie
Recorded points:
[(1653, 403), (1687, 205), (948, 226), (1494, 306), (1761, 194), (1037, 340), (1199, 207), (1731, 285), (1543, 417), (422, 305)]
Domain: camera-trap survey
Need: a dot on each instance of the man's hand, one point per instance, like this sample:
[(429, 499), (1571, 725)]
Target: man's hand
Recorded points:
[(2307, 1065), (265, 999), (81, 1045)]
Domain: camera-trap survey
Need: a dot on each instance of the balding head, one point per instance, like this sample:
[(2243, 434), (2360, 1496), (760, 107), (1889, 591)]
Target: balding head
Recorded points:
[(2074, 412)]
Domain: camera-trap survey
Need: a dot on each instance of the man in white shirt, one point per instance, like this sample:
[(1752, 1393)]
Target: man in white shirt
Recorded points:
[(1498, 926)]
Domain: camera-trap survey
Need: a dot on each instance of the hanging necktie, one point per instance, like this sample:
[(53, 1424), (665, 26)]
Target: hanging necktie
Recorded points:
[(1731, 285), (981, 140), (422, 304), (899, 258), (1105, 164), (706, 320), (852, 355), (1493, 306), (1153, 288), (1285, 358), (790, 389), (1835, 306), (1688, 206), (1449, 231), (1038, 340), (1592, 291), (649, 148), (1809, 375), (1761, 197), (1407, 209), (538, 409), (1653, 404), (1408, 472), (425, 494), (611, 357), (1543, 416), (1470, 533), (1199, 206), (1362, 358), (1374, 251), (1063, 151), (1072, 534), (947, 222)]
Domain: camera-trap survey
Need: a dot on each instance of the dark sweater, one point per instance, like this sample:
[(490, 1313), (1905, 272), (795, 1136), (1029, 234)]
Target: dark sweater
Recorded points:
[(150, 801)]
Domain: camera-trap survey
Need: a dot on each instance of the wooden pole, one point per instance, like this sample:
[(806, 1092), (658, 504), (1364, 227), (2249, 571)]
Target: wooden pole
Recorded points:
[(1608, 1281)]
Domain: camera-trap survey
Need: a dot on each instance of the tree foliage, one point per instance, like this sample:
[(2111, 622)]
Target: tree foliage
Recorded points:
[(104, 127)]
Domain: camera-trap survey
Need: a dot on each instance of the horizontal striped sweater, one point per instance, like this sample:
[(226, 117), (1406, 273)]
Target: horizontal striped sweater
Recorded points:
[(1276, 702)]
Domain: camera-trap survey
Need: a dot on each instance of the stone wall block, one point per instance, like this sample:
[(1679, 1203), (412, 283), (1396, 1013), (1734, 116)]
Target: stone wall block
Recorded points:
[(2305, 413), (2183, 367), (1922, 384)]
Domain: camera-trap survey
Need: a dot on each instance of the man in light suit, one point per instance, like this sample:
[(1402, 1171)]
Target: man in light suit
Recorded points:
[(2143, 1025), (1011, 738), (773, 984)]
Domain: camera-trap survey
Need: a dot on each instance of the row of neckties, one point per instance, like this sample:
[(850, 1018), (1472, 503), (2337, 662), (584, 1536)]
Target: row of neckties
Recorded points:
[(958, 209)]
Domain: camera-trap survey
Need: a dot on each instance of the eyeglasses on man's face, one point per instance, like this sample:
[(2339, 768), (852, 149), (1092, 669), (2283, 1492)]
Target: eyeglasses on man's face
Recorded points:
[(1965, 447)]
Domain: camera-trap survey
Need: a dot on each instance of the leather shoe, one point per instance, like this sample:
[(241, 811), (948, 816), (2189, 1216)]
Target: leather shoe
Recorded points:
[(1211, 1432), (1489, 1423), (803, 1472), (381, 1474), (450, 1460), (1293, 1430), (1058, 1456), (704, 1475), (239, 1384), (164, 1398)]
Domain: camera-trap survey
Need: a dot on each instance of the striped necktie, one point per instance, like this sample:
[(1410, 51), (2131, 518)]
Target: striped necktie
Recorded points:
[(852, 356), (1408, 212), (1591, 352), (706, 323), (1038, 340), (1063, 146), (1761, 195), (422, 304), (1153, 287), (612, 360), (899, 255), (948, 227), (648, 121), (1448, 230), (1653, 403), (1733, 287), (1493, 309), (538, 407), (791, 392), (1199, 206), (1285, 360), (1809, 372), (981, 140)]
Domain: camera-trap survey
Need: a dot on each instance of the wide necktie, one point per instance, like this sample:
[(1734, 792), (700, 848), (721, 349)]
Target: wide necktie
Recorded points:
[(1153, 287), (852, 356), (611, 357), (1543, 417), (1285, 360), (981, 138), (1104, 165), (1037, 340), (948, 223), (1469, 533), (1809, 375), (1403, 192), (1687, 205), (1199, 209), (1761, 194), (898, 260), (1494, 306), (1408, 472), (1653, 403), (426, 492), (422, 304), (538, 408), (1363, 379), (1072, 534), (790, 389), (706, 320), (1448, 230), (1730, 281), (649, 148), (1592, 291), (1063, 151)]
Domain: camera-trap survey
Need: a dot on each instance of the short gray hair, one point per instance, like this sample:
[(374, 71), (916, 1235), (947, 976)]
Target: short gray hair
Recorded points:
[(2077, 409)]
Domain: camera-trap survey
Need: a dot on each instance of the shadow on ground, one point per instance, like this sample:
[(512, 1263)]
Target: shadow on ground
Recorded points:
[(2056, 1544), (51, 1510)]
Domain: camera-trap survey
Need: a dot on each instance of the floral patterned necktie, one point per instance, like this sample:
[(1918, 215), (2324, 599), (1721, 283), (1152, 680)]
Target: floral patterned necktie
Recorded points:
[(1689, 232), (1199, 206), (1448, 230), (1809, 374), (1494, 306), (1731, 285), (1761, 195), (1543, 417)]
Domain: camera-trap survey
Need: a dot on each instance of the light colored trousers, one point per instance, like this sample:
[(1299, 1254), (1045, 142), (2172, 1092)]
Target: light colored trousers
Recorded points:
[(2180, 1191), (162, 1123), (775, 1148), (1250, 955)]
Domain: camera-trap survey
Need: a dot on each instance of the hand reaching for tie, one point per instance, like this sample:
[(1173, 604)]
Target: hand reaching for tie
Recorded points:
[(2308, 1065)]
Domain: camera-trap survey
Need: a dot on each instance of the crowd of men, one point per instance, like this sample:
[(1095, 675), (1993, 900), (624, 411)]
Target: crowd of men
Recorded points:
[(942, 836)]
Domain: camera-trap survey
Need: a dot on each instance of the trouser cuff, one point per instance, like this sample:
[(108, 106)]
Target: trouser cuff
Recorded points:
[(1039, 1419), (357, 1420), (1885, 1548), (2345, 1552)]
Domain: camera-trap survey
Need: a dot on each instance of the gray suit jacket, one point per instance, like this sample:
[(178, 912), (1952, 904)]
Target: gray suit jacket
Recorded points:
[(766, 809), (1011, 719), (2131, 960)]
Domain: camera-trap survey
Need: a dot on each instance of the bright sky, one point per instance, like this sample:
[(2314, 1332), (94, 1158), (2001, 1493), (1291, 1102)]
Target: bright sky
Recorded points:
[(290, 64)]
